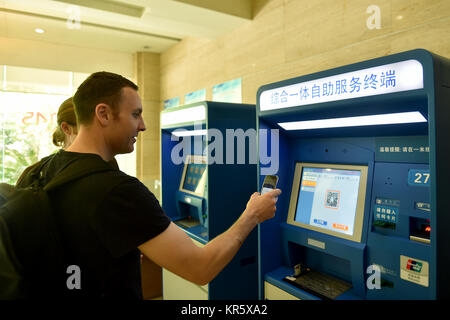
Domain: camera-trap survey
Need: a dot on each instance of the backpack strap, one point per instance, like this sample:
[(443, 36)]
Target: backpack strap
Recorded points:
[(6, 191), (38, 171), (77, 169)]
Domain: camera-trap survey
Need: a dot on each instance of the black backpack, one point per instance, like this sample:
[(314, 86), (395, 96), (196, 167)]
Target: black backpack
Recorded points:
[(29, 237)]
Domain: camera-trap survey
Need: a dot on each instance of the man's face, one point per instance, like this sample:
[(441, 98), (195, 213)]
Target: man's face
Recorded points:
[(127, 122)]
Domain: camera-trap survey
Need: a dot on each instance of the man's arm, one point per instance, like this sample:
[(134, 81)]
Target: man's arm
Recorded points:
[(175, 251)]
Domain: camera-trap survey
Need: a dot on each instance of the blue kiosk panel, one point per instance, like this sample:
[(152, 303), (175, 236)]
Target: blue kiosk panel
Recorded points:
[(362, 166), (207, 178)]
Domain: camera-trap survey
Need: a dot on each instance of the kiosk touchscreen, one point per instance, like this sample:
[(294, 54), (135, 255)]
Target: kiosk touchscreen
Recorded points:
[(193, 180), (329, 198), (191, 204)]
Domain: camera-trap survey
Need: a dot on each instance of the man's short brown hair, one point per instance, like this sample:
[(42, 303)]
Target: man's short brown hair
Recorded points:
[(100, 87)]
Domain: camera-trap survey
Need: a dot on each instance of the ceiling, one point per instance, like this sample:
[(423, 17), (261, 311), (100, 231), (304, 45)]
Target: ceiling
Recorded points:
[(121, 25)]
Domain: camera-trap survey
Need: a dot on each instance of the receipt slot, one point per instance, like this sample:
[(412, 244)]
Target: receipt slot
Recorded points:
[(363, 163), (207, 177)]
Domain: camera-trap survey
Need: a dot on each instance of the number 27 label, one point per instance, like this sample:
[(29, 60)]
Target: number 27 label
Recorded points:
[(419, 177)]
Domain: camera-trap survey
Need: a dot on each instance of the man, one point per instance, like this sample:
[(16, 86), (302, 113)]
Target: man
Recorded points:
[(105, 218)]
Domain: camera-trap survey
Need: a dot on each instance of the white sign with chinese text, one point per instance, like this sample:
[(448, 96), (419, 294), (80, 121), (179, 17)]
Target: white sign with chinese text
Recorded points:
[(389, 78)]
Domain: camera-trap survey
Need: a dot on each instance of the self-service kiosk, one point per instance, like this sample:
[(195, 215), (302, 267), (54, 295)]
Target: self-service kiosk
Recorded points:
[(364, 167), (207, 178)]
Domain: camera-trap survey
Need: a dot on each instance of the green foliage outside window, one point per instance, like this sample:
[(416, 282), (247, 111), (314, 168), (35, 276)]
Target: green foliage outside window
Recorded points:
[(27, 122)]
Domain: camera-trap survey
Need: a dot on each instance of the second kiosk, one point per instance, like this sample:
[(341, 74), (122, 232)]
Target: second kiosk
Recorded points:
[(207, 178)]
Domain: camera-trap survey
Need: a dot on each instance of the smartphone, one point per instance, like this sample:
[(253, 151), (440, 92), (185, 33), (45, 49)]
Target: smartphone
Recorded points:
[(270, 183)]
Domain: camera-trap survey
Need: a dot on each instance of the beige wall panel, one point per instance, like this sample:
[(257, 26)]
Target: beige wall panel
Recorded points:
[(151, 115), (148, 156), (353, 53), (434, 36), (197, 45), (149, 182), (152, 88), (256, 46), (175, 53), (410, 13), (152, 142), (148, 137), (206, 66), (147, 69), (148, 75), (251, 82), (139, 162), (152, 127), (314, 27), (429, 37), (151, 156), (173, 72), (355, 23), (149, 179), (290, 38), (173, 80), (188, 73)]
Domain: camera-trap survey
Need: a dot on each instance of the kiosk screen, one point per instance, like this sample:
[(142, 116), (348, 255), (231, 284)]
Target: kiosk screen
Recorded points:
[(194, 175), (329, 199)]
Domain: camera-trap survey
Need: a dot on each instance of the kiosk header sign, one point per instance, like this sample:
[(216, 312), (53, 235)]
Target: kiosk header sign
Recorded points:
[(389, 78)]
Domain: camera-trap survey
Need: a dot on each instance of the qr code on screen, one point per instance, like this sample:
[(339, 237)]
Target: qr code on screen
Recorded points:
[(332, 199)]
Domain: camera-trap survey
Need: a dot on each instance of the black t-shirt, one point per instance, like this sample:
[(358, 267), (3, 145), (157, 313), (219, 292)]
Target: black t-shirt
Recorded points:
[(103, 218)]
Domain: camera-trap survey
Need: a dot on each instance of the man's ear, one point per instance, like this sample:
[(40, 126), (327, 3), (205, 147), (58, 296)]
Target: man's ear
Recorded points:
[(103, 113)]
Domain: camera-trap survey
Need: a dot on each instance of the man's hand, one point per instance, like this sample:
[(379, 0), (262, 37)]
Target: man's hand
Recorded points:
[(262, 207)]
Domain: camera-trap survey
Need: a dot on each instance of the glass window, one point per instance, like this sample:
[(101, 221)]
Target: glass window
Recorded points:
[(27, 122), (29, 102)]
